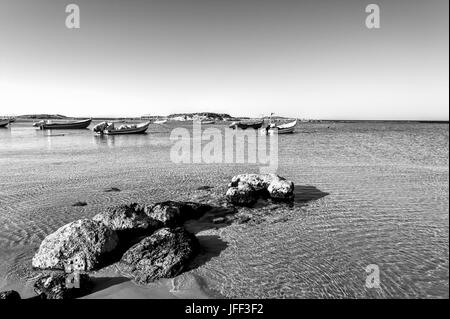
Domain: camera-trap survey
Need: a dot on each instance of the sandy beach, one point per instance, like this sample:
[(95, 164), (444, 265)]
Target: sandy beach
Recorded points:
[(371, 193)]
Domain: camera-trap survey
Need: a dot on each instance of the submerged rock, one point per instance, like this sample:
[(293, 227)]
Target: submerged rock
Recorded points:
[(204, 188), (81, 245), (127, 219), (164, 254), (242, 195), (172, 213), (63, 286), (79, 204), (9, 295), (245, 189)]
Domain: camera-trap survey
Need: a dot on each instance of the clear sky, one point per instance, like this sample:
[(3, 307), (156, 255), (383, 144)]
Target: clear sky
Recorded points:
[(307, 59)]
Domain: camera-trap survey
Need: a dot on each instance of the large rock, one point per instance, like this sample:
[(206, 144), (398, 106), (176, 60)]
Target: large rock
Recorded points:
[(242, 195), (81, 245), (173, 214), (281, 189), (62, 286), (259, 182), (127, 220), (245, 189), (9, 295), (164, 254)]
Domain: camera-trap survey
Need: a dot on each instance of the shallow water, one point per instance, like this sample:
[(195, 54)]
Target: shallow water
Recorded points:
[(367, 193)]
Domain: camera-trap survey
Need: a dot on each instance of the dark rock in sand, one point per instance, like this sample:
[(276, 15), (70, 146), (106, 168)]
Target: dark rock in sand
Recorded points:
[(172, 213), (63, 286), (165, 254), (245, 189), (79, 204), (242, 195), (127, 219), (9, 295), (81, 245), (203, 188)]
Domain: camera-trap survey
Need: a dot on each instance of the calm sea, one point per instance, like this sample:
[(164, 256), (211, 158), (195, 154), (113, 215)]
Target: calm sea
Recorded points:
[(367, 194)]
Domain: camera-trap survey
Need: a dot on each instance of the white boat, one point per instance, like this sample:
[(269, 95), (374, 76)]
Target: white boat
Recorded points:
[(159, 121), (110, 129), (283, 128)]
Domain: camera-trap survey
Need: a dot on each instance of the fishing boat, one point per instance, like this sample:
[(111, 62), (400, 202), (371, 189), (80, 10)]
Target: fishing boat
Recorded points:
[(67, 125), (205, 122), (159, 121), (106, 128), (4, 122), (283, 128), (247, 124)]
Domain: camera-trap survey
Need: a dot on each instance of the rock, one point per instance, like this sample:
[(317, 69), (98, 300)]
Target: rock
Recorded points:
[(281, 189), (259, 182), (164, 254), (81, 245), (242, 195), (245, 189), (172, 213), (9, 295), (63, 286), (204, 188), (127, 219), (79, 204)]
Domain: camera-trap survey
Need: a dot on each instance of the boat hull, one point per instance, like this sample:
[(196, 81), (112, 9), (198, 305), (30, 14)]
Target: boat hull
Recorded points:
[(136, 130), (66, 126), (4, 123), (244, 126), (284, 129)]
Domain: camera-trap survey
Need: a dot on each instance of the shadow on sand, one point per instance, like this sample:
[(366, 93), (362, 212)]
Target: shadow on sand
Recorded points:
[(304, 194), (102, 283)]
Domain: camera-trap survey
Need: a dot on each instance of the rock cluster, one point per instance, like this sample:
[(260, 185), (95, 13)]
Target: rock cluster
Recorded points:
[(148, 242), (246, 189), (157, 246)]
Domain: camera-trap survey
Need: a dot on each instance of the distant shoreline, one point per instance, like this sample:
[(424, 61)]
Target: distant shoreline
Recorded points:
[(33, 119)]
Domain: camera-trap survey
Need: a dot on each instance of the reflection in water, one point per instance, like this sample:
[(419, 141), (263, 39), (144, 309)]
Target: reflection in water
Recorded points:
[(103, 140), (131, 140)]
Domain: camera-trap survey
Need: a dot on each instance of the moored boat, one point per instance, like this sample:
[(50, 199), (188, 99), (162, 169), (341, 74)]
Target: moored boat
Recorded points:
[(247, 124), (4, 122), (110, 129), (67, 125), (283, 128), (159, 121), (205, 122)]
